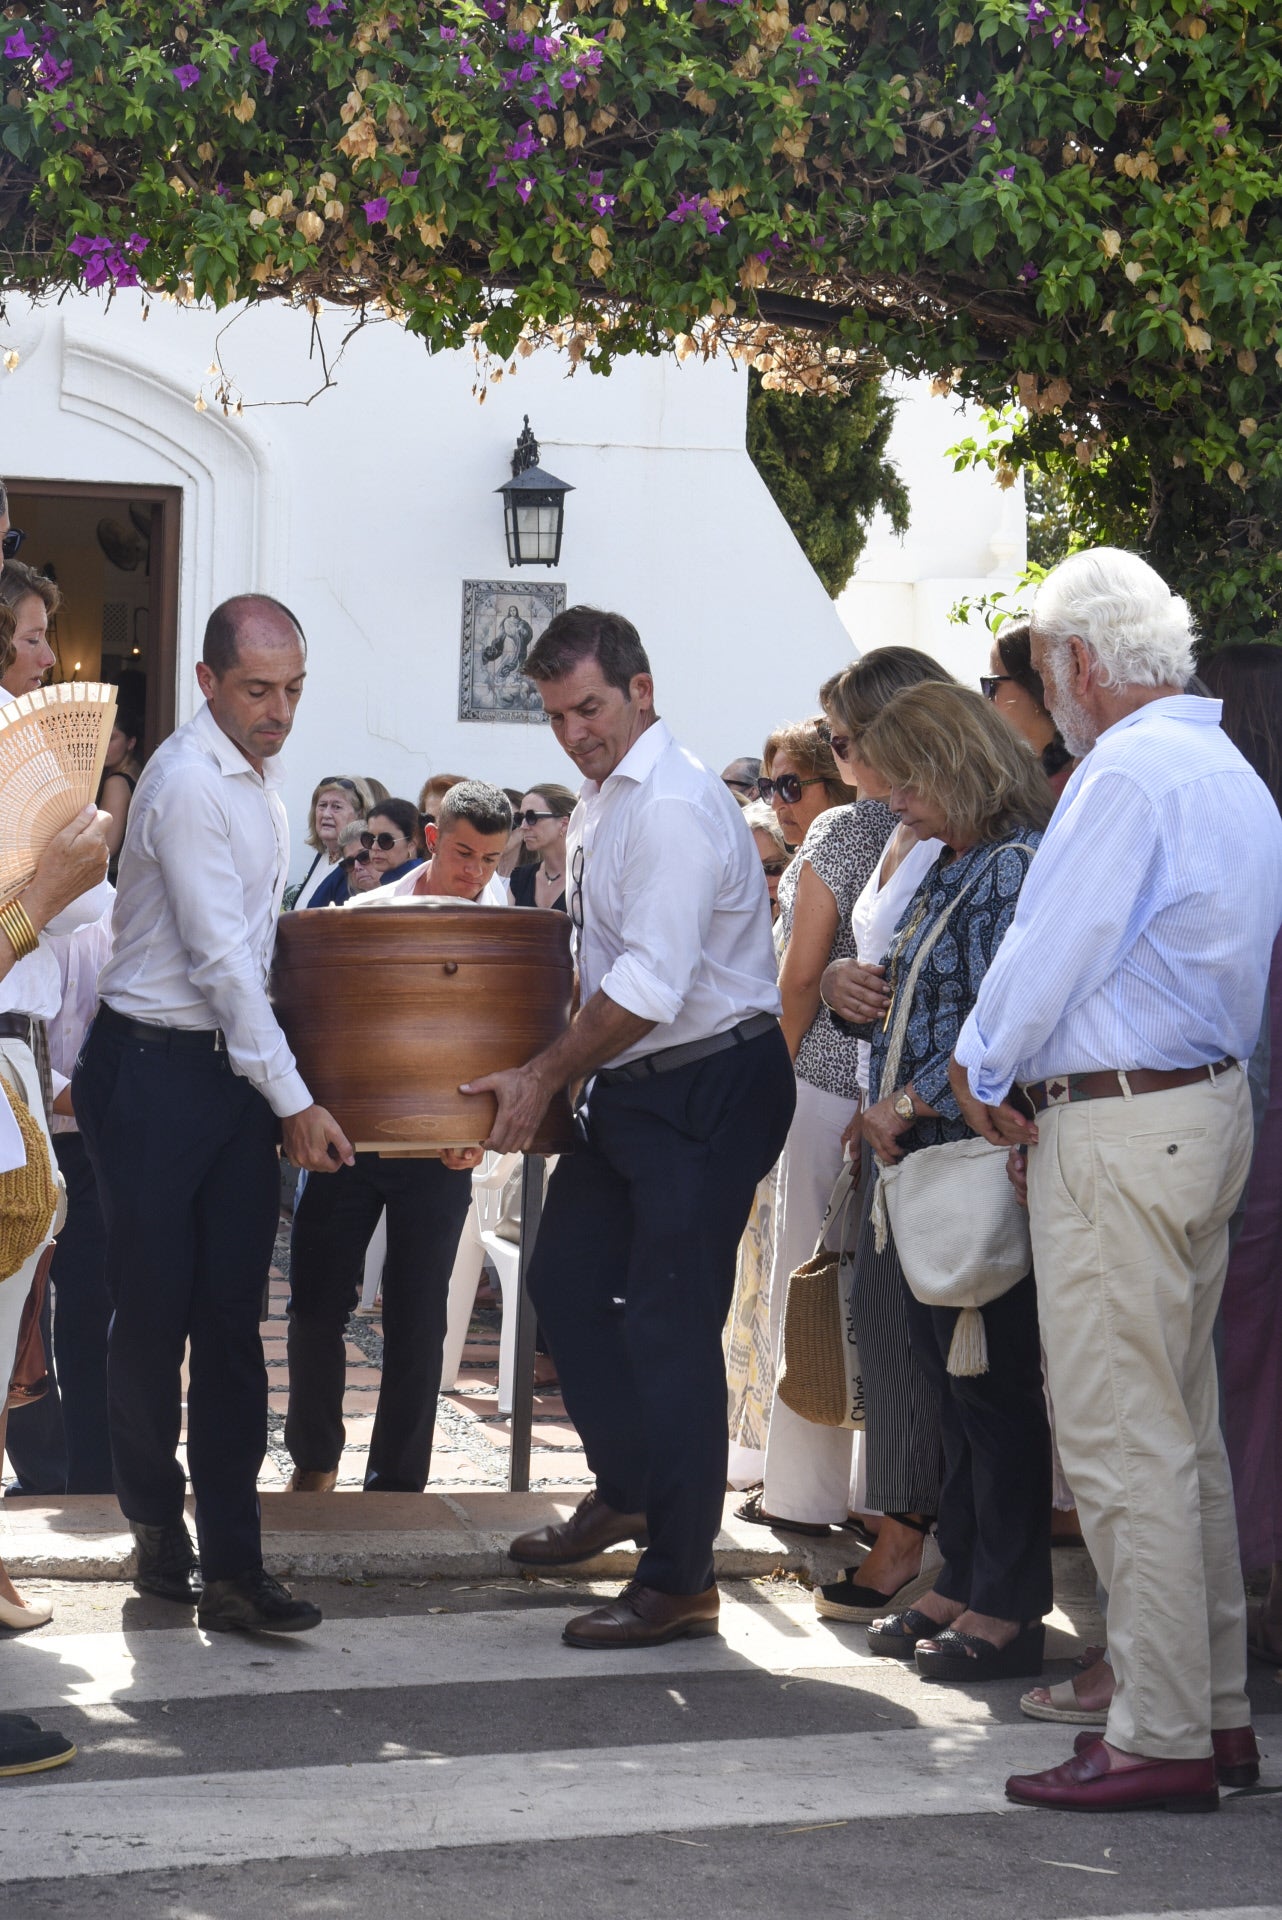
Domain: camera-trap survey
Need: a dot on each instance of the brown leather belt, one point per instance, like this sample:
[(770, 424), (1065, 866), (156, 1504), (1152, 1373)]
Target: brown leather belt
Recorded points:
[(16, 1026), (1062, 1089)]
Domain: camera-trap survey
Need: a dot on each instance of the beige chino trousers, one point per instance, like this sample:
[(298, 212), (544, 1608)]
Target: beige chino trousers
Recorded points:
[(1129, 1203)]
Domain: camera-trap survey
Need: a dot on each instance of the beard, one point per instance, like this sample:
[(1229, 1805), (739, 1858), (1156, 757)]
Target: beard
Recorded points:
[(1077, 730)]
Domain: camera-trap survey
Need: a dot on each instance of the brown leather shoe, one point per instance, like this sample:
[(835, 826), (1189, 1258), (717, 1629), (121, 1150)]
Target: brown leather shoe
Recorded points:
[(644, 1617), (1237, 1757), (304, 1480), (590, 1529), (1085, 1784)]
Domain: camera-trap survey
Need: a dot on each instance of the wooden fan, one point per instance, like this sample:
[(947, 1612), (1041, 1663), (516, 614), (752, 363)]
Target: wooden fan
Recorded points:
[(52, 746)]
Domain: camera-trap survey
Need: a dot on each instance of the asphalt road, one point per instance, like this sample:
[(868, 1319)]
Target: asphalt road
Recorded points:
[(436, 1750)]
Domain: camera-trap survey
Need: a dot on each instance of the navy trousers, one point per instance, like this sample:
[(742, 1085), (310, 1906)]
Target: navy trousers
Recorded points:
[(632, 1276), (184, 1152), (994, 1526), (333, 1223)]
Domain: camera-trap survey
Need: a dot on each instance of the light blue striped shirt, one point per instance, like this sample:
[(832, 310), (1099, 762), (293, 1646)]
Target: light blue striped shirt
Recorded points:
[(1144, 930)]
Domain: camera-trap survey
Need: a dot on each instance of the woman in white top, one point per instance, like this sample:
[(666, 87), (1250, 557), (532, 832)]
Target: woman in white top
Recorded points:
[(902, 1455)]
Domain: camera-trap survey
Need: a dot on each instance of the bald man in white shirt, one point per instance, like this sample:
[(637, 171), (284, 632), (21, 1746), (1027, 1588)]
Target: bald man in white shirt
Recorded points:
[(689, 1097), (184, 1087)]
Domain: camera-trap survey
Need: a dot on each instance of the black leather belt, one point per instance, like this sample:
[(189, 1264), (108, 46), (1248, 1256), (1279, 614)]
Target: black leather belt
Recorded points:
[(151, 1033), (16, 1026), (667, 1059)]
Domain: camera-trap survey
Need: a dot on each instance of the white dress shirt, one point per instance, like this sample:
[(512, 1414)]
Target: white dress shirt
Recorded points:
[(81, 956), (202, 872), (1145, 928), (493, 894), (676, 921)]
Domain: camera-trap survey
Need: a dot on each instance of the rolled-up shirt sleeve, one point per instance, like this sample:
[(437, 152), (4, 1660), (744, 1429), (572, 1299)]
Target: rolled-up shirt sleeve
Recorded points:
[(188, 836), (665, 914), (1078, 916)]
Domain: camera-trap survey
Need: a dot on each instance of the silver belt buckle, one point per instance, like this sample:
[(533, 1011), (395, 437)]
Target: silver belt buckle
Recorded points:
[(220, 1040)]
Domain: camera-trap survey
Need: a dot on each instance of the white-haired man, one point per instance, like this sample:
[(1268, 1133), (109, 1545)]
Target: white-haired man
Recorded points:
[(1128, 990)]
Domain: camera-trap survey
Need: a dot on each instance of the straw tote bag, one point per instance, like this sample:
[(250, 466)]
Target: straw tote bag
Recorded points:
[(819, 1375), (961, 1236)]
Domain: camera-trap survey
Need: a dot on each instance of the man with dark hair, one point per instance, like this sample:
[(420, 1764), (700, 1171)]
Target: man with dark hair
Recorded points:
[(183, 1089), (426, 1203), (690, 1094), (741, 776)]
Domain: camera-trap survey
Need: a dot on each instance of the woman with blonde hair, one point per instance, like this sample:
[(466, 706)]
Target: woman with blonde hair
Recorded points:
[(958, 774), (336, 802), (841, 840)]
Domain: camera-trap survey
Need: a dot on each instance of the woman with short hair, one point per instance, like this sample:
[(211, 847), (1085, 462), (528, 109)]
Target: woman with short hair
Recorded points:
[(393, 838), (839, 849), (336, 802), (25, 654), (957, 774)]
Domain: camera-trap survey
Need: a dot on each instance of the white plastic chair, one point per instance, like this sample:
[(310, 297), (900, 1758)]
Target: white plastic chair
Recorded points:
[(479, 1239)]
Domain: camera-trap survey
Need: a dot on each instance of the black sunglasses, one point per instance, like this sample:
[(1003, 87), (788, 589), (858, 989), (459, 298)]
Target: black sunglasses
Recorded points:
[(742, 786), (383, 841), (788, 787), (841, 745), (12, 541), (576, 895), (427, 820), (530, 818), (989, 683), (773, 868), (348, 786), (360, 859)]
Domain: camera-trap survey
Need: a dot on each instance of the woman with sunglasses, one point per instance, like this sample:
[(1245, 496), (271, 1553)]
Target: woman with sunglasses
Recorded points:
[(1015, 688), (839, 849), (393, 839), (359, 874), (543, 818), (338, 800)]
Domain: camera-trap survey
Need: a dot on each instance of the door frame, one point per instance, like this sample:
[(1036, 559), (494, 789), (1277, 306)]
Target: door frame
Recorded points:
[(166, 556)]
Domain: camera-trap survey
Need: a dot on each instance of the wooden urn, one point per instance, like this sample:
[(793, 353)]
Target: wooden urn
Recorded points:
[(391, 1008)]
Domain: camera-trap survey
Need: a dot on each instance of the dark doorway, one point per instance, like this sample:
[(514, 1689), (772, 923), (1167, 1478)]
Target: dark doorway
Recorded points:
[(114, 551)]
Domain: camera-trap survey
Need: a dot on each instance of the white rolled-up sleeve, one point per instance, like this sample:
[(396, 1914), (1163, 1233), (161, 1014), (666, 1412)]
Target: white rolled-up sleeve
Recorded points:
[(187, 832), (672, 865)]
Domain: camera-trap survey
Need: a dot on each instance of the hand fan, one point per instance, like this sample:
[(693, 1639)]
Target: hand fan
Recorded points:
[(52, 746)]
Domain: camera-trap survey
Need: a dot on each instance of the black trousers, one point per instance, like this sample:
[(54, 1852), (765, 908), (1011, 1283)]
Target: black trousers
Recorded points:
[(632, 1276), (184, 1152), (994, 1527), (61, 1443), (333, 1223)]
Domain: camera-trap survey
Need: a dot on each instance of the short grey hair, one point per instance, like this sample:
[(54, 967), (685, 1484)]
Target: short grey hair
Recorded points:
[(1141, 633), (760, 818), (484, 807)]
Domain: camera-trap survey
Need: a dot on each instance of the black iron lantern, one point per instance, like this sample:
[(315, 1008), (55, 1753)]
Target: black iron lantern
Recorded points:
[(533, 507)]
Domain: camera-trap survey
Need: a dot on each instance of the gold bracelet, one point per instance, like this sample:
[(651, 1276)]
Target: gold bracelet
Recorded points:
[(15, 923)]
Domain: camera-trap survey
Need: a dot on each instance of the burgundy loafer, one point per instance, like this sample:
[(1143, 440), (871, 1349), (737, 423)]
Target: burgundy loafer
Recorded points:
[(644, 1617), (1084, 1784), (1237, 1757), (590, 1529)]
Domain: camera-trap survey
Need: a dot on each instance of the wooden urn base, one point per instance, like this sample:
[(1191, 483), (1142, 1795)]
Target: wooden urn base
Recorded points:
[(391, 1008)]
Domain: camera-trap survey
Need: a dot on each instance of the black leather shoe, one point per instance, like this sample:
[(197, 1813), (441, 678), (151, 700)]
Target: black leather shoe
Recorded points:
[(167, 1565), (253, 1603)]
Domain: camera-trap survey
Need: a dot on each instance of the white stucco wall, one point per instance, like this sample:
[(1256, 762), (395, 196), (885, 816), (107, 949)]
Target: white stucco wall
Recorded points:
[(967, 538), (366, 510)]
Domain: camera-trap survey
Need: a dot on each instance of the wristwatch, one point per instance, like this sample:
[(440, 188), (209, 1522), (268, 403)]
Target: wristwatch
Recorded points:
[(903, 1105)]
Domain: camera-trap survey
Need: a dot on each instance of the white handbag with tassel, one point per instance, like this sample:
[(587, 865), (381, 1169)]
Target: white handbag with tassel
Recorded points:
[(961, 1236)]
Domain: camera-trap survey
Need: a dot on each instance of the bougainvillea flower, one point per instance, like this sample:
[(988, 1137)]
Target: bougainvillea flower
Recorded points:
[(1005, 173), (53, 73), (410, 177), (524, 188), (260, 57), (375, 210), (186, 76), (1028, 272), (466, 71), (18, 47)]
